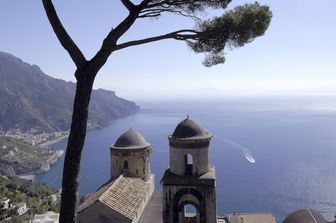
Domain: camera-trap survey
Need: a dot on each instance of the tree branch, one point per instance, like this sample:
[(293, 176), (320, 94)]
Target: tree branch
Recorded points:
[(173, 35), (62, 35), (110, 42), (157, 12), (128, 4)]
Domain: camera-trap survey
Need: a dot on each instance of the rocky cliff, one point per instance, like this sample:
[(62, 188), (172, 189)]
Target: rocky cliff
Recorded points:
[(33, 101)]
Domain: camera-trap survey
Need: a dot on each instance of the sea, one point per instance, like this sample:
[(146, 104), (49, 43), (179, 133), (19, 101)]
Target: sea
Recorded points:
[(272, 154)]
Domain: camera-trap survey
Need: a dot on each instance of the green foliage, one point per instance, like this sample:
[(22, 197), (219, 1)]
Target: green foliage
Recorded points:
[(190, 6), (150, 151), (233, 29), (13, 183), (17, 219), (35, 195), (2, 210)]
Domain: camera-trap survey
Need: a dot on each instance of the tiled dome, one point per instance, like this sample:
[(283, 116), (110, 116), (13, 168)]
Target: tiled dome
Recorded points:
[(188, 128), (131, 139)]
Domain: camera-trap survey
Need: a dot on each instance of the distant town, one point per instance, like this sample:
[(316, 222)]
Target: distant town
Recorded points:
[(34, 138)]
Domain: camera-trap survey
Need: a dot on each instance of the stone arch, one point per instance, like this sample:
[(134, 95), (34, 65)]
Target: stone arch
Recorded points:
[(184, 215), (183, 203), (199, 203)]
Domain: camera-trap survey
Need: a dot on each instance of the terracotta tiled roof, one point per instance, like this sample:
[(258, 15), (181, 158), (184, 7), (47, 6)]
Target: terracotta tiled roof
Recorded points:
[(124, 195)]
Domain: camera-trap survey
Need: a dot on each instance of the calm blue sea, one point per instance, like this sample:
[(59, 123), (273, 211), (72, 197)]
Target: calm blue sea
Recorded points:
[(292, 139)]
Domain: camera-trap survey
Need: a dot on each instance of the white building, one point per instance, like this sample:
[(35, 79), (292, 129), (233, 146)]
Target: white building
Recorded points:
[(48, 217), (20, 208), (5, 203)]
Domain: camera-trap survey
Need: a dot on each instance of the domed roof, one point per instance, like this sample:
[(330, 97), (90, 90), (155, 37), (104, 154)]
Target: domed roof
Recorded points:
[(188, 128), (305, 216), (131, 139)]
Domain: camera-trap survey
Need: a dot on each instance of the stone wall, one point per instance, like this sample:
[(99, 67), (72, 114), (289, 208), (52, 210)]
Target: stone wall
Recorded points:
[(136, 162)]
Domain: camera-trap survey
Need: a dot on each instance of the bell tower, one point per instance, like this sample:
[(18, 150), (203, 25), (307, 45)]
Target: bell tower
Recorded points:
[(190, 182), (130, 155)]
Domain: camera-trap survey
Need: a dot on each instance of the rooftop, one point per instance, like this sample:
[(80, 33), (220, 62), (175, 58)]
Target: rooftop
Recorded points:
[(305, 216), (124, 195), (189, 128), (131, 139), (251, 218), (48, 217), (153, 210), (20, 205), (208, 178)]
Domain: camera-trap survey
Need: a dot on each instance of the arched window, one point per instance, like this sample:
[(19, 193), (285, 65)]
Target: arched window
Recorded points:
[(190, 209), (125, 164), (188, 160), (190, 213)]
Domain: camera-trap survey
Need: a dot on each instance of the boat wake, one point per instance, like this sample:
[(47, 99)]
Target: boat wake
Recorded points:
[(249, 157), (247, 153)]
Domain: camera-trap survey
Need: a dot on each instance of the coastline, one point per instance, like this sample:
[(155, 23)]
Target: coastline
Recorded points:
[(58, 139), (45, 168), (32, 175), (49, 163), (53, 141)]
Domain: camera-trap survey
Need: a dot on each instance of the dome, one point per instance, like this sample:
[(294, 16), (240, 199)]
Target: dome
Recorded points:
[(131, 139), (305, 216), (188, 128)]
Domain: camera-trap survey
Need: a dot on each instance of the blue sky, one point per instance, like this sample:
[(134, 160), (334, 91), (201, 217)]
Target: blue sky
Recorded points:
[(296, 55)]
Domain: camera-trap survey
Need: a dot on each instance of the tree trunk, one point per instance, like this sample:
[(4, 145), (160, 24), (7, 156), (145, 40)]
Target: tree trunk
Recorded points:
[(70, 182)]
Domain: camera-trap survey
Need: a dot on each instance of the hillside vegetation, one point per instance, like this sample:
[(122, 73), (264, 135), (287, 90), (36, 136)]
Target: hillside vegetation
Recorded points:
[(36, 196)]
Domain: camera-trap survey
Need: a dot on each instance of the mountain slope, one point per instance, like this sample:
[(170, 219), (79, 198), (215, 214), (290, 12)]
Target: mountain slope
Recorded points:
[(33, 101)]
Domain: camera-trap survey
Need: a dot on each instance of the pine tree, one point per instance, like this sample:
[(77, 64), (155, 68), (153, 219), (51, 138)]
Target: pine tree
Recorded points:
[(233, 29)]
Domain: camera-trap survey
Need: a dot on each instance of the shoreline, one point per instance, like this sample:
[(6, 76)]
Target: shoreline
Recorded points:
[(59, 152), (31, 176), (53, 141), (58, 139)]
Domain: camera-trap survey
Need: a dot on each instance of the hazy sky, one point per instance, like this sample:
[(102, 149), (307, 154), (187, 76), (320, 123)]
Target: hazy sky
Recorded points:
[(298, 51)]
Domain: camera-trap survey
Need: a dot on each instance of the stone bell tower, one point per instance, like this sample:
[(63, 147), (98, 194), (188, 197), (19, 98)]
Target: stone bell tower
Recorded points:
[(190, 181), (130, 155)]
